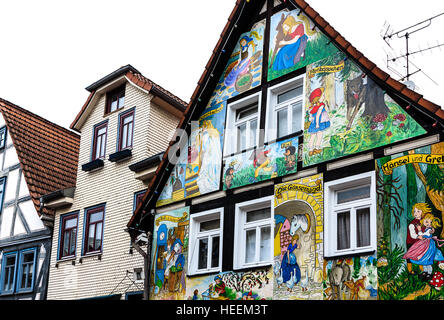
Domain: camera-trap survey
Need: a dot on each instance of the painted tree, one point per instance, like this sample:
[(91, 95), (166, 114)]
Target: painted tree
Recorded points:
[(432, 180)]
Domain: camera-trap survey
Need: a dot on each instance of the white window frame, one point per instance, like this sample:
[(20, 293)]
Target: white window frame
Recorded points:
[(196, 235), (332, 209), (230, 143), (274, 107), (240, 231)]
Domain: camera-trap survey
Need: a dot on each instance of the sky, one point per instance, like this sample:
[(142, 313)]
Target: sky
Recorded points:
[(51, 50)]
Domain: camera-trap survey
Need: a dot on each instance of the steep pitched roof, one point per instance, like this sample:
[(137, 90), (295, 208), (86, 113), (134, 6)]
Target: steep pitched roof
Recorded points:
[(138, 79), (366, 65), (48, 153)]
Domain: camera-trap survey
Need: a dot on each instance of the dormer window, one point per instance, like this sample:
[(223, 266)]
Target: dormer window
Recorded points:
[(115, 99)]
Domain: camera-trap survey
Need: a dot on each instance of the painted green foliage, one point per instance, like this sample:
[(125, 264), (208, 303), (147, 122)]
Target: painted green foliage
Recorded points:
[(270, 161), (294, 44), (346, 112), (410, 196)]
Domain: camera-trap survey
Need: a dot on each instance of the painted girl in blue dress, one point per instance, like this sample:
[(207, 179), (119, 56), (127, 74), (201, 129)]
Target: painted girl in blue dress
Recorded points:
[(319, 121), (425, 251), (290, 268), (241, 66)]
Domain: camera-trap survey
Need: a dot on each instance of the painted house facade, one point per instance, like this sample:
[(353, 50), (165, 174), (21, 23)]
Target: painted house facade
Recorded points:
[(36, 157), (303, 171), (125, 126)]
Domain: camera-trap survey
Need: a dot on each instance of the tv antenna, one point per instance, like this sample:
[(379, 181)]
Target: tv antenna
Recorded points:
[(406, 33)]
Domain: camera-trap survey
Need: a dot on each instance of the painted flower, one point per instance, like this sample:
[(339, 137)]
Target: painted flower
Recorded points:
[(399, 117), (389, 134), (382, 262), (401, 125), (379, 117)]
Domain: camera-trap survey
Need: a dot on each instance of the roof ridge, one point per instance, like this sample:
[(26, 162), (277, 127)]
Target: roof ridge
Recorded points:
[(151, 82)]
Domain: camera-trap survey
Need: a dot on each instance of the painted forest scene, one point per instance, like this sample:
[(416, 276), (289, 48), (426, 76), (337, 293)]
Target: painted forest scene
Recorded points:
[(410, 196), (346, 112)]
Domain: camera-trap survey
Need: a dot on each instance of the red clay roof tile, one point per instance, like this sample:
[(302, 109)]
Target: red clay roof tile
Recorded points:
[(48, 153)]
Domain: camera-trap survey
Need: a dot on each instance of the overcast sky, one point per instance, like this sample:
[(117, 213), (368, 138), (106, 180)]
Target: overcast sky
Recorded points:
[(51, 49)]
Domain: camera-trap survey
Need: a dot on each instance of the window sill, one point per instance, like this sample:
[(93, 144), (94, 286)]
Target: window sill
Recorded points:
[(93, 165), (204, 272), (71, 259), (120, 155), (97, 254), (252, 266)]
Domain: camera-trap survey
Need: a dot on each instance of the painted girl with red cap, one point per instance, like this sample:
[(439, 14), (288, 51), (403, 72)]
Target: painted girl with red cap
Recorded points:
[(319, 121)]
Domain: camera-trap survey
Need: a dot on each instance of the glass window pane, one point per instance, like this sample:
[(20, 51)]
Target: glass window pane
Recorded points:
[(70, 223), (28, 257), (130, 135), (215, 252), (250, 246), (203, 254), (260, 214), (363, 227), (124, 137), (98, 242), (10, 261), (7, 282), (209, 225), (128, 119), (101, 131), (29, 276), (296, 117), (290, 94), (121, 101), (73, 236), (91, 232), (102, 146), (265, 245), (241, 137), (253, 129), (282, 123), (66, 248), (343, 232), (354, 194), (245, 112), (96, 216), (113, 105)]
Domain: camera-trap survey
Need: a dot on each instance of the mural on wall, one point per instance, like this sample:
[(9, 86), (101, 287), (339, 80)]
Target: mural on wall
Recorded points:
[(410, 194), (298, 249), (294, 43), (351, 278), (250, 285), (169, 255), (244, 68), (199, 168), (263, 163), (347, 112)]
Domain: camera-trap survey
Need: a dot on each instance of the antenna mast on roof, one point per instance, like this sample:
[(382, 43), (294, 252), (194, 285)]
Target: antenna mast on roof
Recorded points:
[(406, 33)]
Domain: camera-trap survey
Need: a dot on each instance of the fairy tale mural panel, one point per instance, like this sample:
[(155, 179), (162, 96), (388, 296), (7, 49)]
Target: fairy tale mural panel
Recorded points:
[(298, 244), (346, 112), (247, 285), (263, 163), (169, 255), (294, 43), (410, 194)]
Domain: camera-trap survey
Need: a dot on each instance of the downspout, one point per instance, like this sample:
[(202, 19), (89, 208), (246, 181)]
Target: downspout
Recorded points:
[(146, 263)]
